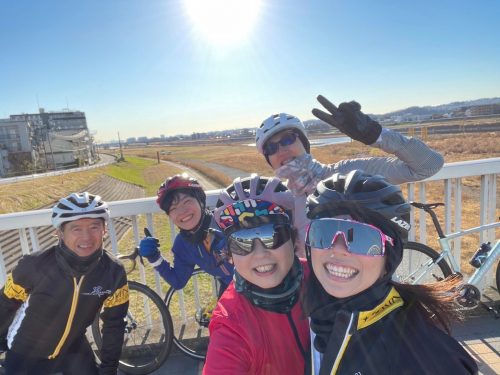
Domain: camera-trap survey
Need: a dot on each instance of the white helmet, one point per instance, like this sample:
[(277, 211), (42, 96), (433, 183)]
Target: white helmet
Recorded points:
[(79, 206), (277, 123)]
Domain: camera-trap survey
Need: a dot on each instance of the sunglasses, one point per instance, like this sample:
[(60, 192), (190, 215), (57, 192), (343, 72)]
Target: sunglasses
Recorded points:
[(288, 139), (271, 236), (360, 238)]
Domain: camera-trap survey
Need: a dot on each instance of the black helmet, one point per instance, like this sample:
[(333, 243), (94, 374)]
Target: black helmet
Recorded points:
[(367, 191)]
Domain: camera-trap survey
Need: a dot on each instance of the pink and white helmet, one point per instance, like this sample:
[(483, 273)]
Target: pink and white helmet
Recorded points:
[(253, 197)]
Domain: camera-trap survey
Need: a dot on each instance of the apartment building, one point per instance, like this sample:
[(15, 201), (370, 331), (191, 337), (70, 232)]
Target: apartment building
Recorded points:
[(50, 140)]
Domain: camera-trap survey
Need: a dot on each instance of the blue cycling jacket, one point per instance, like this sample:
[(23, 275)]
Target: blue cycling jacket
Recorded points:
[(209, 255)]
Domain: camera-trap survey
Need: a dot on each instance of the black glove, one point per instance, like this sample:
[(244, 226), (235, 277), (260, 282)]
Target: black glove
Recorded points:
[(3, 345), (349, 119)]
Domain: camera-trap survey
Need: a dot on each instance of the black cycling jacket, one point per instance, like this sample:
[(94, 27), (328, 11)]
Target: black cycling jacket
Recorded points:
[(44, 308), (393, 338)]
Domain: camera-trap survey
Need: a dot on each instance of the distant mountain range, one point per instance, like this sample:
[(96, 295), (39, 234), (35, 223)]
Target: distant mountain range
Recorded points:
[(427, 111), (441, 109)]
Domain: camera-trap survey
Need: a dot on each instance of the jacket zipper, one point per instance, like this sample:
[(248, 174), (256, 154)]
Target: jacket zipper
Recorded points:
[(316, 361), (69, 323), (345, 341)]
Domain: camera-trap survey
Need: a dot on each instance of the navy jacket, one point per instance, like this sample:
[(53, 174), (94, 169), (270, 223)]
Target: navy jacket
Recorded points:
[(209, 255)]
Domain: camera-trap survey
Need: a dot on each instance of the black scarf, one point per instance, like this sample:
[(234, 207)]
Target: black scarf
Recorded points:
[(76, 265), (279, 299), (324, 316), (198, 234)]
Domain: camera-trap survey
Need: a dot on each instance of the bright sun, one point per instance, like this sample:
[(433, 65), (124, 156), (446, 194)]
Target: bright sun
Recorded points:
[(223, 22)]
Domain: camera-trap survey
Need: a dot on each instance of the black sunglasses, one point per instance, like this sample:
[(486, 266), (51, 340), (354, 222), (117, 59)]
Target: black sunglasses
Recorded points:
[(271, 236), (288, 139)]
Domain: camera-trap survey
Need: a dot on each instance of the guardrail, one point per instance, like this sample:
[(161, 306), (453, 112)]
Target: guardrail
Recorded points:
[(451, 175)]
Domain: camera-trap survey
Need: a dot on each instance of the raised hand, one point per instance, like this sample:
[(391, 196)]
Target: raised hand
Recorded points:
[(149, 248), (349, 119)]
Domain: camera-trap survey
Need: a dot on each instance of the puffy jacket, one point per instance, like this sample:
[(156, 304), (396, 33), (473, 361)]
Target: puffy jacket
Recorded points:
[(45, 308), (391, 339), (413, 160), (209, 255), (245, 339)]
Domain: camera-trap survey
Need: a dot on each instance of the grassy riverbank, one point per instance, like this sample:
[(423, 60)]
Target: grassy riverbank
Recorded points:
[(457, 147), (149, 174), (33, 194)]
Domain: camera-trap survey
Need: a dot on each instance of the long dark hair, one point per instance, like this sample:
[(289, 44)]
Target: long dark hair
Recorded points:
[(436, 301)]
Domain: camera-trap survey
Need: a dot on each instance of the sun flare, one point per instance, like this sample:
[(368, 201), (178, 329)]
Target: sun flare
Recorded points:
[(223, 22)]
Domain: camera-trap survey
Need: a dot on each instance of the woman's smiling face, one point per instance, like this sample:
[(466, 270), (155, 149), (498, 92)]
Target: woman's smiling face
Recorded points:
[(263, 267), (185, 211), (343, 274)]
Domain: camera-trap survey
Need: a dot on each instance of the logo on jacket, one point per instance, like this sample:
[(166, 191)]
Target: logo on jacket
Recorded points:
[(98, 291)]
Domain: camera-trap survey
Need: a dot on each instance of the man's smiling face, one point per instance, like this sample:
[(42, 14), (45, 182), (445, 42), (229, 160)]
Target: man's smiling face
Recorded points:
[(83, 236)]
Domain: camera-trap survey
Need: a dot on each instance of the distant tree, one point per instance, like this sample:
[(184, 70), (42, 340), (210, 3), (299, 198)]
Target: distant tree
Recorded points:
[(21, 163)]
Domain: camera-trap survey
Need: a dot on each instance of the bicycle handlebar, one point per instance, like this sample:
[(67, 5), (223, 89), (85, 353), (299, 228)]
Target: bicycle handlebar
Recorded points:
[(134, 254)]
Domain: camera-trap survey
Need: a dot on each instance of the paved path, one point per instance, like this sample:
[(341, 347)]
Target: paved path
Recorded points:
[(203, 180), (228, 171), (480, 335)]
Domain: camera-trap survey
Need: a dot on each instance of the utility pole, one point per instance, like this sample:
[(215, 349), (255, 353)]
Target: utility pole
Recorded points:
[(121, 151), (50, 146)]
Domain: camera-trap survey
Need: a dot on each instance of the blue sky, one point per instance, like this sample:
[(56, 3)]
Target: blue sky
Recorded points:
[(143, 68)]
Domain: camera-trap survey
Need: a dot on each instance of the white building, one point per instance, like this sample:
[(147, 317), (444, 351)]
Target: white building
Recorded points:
[(53, 140), (62, 139)]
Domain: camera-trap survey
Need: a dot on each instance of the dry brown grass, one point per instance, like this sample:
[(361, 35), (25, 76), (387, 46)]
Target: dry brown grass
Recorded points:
[(28, 195), (458, 147), (36, 193), (467, 146), (156, 174), (232, 155)]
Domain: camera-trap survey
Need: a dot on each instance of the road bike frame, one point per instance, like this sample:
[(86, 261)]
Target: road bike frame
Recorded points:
[(477, 277)]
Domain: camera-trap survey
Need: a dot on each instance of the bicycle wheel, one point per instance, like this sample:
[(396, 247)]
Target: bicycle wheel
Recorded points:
[(191, 335), (419, 265), (148, 333)]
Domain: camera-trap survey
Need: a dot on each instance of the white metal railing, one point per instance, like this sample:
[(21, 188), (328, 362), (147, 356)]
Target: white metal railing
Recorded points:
[(451, 174)]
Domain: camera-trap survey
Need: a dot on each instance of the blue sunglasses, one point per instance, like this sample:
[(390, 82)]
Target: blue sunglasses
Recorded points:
[(270, 148)]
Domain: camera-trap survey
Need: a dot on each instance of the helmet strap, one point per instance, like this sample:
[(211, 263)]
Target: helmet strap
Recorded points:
[(198, 234)]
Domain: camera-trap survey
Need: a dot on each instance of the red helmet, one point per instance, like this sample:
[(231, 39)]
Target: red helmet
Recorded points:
[(179, 182)]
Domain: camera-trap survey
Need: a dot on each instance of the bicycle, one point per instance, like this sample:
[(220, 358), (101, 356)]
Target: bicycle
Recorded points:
[(189, 307), (148, 332), (421, 264), (192, 316), (188, 329)]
